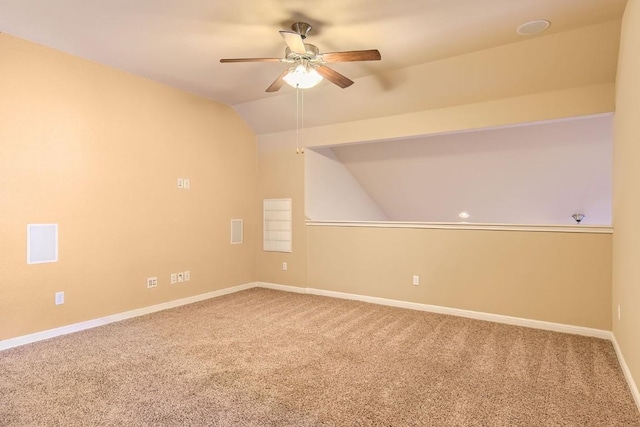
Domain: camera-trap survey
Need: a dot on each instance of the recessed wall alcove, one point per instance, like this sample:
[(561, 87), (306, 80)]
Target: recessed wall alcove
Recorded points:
[(534, 173)]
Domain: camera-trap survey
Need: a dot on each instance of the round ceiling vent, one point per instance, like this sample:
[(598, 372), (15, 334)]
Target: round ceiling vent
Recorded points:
[(533, 27)]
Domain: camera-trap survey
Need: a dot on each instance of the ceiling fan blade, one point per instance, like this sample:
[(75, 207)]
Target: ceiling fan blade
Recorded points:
[(333, 76), (250, 60), (352, 55), (277, 84), (294, 41)]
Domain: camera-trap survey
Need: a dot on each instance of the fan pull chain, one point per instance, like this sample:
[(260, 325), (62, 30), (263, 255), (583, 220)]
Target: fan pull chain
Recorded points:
[(299, 118), (302, 119)]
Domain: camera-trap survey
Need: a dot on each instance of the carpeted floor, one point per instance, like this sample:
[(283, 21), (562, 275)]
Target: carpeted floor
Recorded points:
[(269, 358)]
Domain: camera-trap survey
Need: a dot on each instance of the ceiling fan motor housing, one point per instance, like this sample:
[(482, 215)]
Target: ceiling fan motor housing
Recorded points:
[(311, 51)]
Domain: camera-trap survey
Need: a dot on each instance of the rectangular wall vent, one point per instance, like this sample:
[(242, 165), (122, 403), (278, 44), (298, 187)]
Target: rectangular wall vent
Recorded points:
[(236, 231), (277, 225), (42, 243)]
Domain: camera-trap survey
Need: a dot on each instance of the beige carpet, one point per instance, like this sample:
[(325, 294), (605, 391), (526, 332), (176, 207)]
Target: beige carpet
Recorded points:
[(269, 358)]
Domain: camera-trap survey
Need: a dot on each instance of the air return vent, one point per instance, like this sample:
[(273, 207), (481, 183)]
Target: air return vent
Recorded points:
[(236, 231), (42, 243)]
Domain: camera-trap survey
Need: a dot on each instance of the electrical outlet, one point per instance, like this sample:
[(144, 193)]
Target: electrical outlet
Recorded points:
[(284, 266), (180, 277), (416, 280), (152, 282), (59, 298), (174, 278), (180, 183), (187, 276), (187, 183)]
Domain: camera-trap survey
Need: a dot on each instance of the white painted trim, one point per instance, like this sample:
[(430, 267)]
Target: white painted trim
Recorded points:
[(537, 324), (76, 327), (478, 315), (591, 229), (627, 372), (285, 288), (497, 318)]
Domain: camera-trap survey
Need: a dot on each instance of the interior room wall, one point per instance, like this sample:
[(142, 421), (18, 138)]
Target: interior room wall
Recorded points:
[(547, 105), (626, 197), (332, 192), (99, 151), (554, 277), (281, 175), (540, 173)]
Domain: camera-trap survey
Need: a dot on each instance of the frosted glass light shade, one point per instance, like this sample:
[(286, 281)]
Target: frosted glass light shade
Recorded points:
[(302, 77)]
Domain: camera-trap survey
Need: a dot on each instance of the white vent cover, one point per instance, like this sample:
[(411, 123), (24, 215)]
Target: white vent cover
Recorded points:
[(236, 231), (277, 225), (42, 243)]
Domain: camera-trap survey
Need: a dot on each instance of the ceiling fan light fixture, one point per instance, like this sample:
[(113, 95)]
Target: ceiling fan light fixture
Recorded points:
[(302, 76)]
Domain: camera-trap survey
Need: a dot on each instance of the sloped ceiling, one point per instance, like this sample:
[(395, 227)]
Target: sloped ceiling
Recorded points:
[(534, 174), (180, 43)]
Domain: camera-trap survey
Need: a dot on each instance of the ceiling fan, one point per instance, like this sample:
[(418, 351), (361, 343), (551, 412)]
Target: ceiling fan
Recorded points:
[(308, 63)]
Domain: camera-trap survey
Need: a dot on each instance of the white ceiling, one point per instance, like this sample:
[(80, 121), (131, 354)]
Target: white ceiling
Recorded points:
[(539, 173), (180, 42)]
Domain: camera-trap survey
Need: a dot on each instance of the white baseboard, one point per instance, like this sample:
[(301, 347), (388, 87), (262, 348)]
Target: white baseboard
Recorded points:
[(517, 321), (498, 318), (286, 288), (537, 324), (627, 373), (76, 327)]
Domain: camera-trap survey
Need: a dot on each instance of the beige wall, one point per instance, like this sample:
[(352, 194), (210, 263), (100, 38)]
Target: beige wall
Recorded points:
[(554, 277), (626, 194), (98, 151), (281, 175), (549, 105), (363, 261)]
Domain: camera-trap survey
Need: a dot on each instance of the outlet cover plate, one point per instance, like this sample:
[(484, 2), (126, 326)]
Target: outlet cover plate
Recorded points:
[(59, 298)]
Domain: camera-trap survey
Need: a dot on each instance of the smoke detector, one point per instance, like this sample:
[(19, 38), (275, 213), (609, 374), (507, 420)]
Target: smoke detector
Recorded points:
[(533, 27)]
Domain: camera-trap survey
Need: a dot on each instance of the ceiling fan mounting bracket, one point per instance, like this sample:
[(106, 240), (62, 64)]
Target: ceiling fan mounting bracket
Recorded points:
[(301, 28)]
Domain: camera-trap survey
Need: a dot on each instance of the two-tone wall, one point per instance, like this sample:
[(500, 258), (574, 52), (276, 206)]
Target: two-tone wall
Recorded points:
[(98, 152)]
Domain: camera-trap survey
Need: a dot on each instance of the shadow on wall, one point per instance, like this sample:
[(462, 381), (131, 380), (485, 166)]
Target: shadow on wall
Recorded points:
[(540, 173)]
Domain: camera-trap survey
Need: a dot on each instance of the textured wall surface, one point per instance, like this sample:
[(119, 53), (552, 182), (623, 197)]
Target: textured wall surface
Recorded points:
[(99, 151)]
